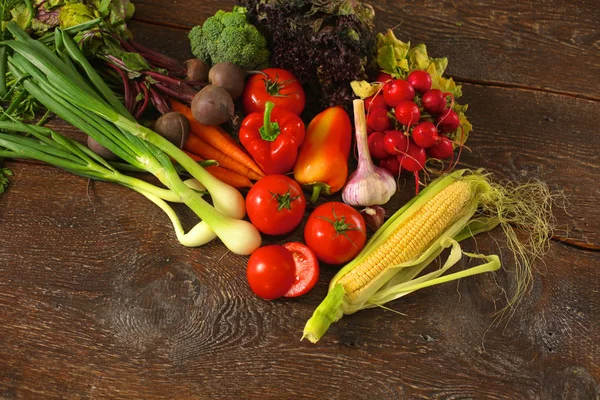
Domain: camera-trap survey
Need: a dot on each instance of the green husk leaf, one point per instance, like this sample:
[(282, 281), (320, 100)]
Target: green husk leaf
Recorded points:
[(393, 292), (328, 312)]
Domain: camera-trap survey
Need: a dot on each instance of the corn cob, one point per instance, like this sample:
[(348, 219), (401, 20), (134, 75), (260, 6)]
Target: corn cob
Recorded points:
[(410, 238)]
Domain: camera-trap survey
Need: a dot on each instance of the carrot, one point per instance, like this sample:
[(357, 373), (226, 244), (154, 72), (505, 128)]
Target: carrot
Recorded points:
[(217, 138), (224, 175), (229, 177), (196, 145), (194, 157)]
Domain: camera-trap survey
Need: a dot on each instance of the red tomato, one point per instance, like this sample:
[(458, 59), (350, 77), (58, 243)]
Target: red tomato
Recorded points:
[(307, 269), (275, 204), (336, 232), (271, 271), (277, 85)]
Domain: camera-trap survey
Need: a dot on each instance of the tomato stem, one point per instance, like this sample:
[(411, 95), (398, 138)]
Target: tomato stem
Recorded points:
[(341, 226), (284, 200), (275, 86)]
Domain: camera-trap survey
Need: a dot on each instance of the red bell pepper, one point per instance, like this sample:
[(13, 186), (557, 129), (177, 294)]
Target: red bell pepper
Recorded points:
[(272, 138), (323, 159)]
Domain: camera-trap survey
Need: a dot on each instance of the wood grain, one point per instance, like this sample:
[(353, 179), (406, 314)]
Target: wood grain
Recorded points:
[(98, 300), (554, 141), (102, 279), (551, 46)]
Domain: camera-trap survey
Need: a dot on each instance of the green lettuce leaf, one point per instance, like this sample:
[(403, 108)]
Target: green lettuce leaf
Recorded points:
[(447, 85), (38, 27), (21, 15), (458, 108), (465, 128), (75, 14), (391, 54), (440, 65), (364, 89), (4, 174), (418, 58)]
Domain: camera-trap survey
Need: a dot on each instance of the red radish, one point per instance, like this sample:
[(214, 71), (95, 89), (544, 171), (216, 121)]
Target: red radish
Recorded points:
[(442, 150), (434, 101), (407, 113), (391, 164), (414, 159), (383, 77), (449, 122), (425, 134), (397, 91), (420, 80), (395, 142), (379, 120), (374, 102), (376, 147)]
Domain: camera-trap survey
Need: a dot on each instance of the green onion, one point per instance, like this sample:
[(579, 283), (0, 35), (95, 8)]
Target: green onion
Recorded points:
[(85, 101)]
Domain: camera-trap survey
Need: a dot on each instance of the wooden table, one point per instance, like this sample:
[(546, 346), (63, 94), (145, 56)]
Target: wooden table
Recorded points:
[(98, 300)]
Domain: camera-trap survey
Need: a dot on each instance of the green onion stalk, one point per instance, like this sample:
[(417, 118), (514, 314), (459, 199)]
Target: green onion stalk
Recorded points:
[(85, 101), (27, 141)]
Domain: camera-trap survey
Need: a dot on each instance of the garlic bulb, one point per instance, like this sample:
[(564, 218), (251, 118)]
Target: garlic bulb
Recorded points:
[(368, 185)]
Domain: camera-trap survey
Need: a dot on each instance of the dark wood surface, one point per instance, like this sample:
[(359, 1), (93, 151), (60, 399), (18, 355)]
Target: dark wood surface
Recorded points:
[(98, 300)]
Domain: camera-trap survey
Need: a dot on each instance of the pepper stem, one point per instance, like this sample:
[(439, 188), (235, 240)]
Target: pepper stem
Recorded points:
[(317, 188), (270, 130), (315, 193)]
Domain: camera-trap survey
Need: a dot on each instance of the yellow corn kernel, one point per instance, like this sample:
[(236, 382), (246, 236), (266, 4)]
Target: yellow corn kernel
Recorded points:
[(411, 237)]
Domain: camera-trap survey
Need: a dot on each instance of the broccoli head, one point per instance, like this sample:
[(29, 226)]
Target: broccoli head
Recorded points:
[(229, 37)]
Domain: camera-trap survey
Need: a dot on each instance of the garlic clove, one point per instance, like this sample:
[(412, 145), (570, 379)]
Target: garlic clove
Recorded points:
[(374, 216)]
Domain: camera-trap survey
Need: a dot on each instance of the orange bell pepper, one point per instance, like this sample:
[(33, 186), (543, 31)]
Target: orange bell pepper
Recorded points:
[(322, 162)]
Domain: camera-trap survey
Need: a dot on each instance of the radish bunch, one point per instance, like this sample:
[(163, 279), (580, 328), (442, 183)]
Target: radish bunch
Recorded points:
[(409, 122)]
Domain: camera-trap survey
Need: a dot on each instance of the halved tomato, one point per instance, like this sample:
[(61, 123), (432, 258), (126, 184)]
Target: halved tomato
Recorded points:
[(307, 269)]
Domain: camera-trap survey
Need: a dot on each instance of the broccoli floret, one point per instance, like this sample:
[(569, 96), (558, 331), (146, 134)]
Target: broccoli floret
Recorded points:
[(228, 36), (199, 48)]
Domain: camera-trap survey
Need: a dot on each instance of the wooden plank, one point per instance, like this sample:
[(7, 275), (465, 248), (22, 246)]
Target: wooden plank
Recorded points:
[(98, 300), (552, 47), (171, 41), (554, 140)]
